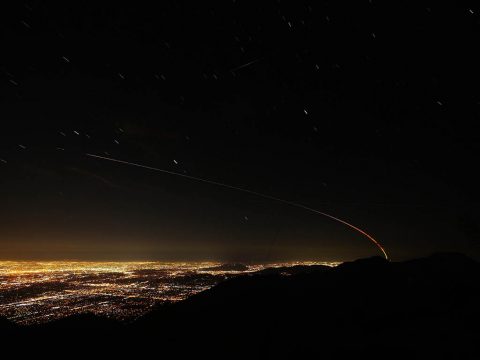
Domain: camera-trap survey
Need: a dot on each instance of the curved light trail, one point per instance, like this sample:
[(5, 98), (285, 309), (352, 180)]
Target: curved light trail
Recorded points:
[(357, 229)]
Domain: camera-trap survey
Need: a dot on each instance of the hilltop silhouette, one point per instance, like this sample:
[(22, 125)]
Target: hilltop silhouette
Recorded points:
[(423, 308), (229, 267)]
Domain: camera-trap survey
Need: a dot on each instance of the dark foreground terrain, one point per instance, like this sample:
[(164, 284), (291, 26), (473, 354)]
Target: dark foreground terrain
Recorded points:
[(427, 308)]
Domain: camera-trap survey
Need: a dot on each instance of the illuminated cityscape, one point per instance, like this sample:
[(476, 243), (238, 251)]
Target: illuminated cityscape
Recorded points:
[(35, 292)]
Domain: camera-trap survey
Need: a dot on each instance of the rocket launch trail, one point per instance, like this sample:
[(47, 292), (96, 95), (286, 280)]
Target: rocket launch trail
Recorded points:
[(265, 196)]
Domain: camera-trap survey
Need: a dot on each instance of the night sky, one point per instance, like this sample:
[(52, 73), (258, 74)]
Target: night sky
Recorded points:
[(363, 109)]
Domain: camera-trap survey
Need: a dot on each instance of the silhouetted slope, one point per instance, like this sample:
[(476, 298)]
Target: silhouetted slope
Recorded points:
[(229, 267), (425, 308)]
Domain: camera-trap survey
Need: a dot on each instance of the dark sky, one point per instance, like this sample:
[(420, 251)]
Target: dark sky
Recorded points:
[(363, 109)]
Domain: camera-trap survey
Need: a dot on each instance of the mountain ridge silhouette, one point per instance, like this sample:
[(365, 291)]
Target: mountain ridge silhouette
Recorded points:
[(369, 307)]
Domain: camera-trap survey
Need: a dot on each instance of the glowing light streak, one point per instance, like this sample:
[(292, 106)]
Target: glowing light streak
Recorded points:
[(291, 203)]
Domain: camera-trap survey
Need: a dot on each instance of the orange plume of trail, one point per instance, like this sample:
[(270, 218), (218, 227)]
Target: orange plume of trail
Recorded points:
[(362, 232)]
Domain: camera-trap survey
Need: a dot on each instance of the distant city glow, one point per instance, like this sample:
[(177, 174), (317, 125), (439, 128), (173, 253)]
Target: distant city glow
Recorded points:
[(36, 292)]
